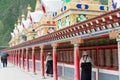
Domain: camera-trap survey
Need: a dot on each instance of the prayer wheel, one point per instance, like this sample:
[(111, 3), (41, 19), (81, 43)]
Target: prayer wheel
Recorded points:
[(93, 56), (101, 57), (89, 53), (115, 58), (108, 59)]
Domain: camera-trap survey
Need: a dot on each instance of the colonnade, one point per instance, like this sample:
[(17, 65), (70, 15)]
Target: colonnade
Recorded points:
[(17, 57)]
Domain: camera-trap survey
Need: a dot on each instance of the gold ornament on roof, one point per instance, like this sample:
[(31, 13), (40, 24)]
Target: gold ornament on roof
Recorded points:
[(29, 7), (15, 25), (23, 15), (18, 21)]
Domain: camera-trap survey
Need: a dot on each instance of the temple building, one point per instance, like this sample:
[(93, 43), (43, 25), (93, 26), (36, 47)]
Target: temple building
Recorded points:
[(68, 12), (66, 28)]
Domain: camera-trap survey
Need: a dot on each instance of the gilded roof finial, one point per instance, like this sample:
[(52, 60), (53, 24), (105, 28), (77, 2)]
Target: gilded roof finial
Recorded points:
[(15, 25), (29, 7), (18, 21), (29, 10), (38, 7), (23, 16)]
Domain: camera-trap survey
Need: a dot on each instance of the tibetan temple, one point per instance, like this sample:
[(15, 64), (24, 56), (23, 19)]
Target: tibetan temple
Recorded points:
[(65, 29)]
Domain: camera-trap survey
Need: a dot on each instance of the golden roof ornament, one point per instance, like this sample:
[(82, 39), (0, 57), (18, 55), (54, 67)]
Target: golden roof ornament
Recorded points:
[(15, 25), (23, 16), (29, 7), (18, 21), (29, 10)]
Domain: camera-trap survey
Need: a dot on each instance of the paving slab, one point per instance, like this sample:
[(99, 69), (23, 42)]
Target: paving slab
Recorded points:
[(15, 73)]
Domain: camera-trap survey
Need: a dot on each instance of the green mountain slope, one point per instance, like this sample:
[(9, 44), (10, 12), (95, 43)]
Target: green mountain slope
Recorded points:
[(10, 10)]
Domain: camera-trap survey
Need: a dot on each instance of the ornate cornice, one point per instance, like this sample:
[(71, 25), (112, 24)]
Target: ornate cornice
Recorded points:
[(77, 31)]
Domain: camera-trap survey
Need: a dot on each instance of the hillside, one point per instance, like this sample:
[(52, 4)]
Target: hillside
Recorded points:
[(9, 12)]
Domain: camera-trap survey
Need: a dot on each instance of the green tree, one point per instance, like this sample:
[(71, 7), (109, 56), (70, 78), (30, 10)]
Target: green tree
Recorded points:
[(10, 10)]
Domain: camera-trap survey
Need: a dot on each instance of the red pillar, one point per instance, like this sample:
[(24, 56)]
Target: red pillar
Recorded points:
[(76, 43), (14, 57), (42, 62), (23, 58), (27, 59), (10, 58), (19, 58), (33, 61), (76, 62), (55, 73)]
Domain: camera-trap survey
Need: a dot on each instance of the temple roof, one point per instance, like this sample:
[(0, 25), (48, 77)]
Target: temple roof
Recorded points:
[(52, 5), (77, 31), (36, 16)]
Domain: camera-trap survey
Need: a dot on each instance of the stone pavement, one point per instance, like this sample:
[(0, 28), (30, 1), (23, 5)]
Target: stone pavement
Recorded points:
[(15, 73)]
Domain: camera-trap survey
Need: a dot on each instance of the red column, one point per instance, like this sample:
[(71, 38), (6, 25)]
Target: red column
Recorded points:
[(14, 57), (33, 61), (19, 58), (23, 58), (76, 43), (55, 73), (11, 57), (76, 62), (42, 62), (27, 59)]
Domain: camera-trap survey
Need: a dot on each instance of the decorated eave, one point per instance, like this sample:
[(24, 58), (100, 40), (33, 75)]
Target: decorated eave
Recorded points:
[(44, 23), (79, 8), (77, 30)]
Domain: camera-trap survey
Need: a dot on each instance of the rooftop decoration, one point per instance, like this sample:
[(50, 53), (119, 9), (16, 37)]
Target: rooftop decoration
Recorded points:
[(36, 16), (51, 5)]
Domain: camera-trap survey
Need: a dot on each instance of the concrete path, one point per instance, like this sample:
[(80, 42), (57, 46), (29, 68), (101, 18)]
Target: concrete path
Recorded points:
[(15, 73)]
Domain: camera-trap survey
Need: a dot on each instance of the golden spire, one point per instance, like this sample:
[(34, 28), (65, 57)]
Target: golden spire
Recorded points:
[(15, 25), (29, 7), (38, 7), (29, 10), (18, 21), (23, 16)]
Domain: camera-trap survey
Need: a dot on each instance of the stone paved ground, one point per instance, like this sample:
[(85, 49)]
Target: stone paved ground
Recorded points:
[(15, 73)]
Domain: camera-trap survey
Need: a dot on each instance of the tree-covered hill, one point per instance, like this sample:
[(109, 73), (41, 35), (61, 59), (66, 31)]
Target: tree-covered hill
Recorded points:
[(10, 10)]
